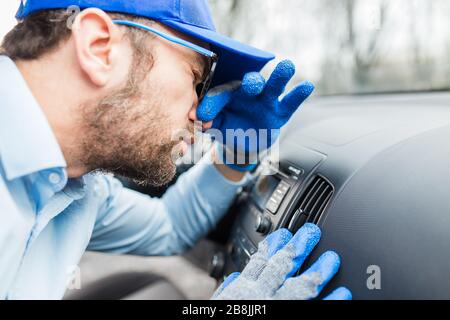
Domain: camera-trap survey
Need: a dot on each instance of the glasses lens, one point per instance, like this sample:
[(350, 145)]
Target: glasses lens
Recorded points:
[(202, 89)]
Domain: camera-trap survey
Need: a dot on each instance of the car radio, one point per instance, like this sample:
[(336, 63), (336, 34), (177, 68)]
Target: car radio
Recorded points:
[(261, 210), (291, 195)]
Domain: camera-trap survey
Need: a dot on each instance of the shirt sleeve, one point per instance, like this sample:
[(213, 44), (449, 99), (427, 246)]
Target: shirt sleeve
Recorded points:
[(131, 222)]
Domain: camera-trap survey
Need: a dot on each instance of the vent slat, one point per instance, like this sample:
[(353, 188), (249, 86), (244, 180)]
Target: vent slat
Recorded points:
[(324, 204), (313, 197), (314, 201), (322, 208), (320, 200), (310, 190)]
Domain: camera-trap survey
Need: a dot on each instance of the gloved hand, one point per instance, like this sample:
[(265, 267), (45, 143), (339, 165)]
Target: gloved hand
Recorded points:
[(269, 273), (253, 104)]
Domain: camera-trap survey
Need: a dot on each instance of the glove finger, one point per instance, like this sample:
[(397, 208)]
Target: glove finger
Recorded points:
[(252, 85), (341, 293), (296, 97), (266, 249), (288, 260), (215, 100), (325, 267), (310, 283), (225, 284), (280, 77)]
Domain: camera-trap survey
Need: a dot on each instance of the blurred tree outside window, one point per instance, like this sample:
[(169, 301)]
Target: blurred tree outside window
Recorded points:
[(349, 46)]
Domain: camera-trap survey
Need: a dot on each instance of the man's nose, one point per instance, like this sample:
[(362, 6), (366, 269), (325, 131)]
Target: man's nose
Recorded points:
[(193, 117)]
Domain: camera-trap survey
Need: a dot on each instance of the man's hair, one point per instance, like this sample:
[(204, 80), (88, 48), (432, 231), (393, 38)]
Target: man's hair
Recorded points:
[(43, 32)]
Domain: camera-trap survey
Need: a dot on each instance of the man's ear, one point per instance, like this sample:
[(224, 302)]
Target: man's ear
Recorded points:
[(96, 42)]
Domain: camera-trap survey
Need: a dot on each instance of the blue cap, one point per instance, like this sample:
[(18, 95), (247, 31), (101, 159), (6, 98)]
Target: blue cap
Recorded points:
[(191, 17)]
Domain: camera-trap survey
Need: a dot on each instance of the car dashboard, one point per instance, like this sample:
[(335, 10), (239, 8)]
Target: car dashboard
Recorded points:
[(373, 172)]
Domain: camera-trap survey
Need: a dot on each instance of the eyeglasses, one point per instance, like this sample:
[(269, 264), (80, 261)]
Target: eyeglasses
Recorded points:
[(201, 88)]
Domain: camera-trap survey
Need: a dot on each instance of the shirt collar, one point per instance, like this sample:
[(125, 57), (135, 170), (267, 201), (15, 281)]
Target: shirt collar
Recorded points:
[(27, 143)]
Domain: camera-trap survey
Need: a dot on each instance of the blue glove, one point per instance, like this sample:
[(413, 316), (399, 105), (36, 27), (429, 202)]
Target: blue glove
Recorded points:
[(253, 104), (269, 273)]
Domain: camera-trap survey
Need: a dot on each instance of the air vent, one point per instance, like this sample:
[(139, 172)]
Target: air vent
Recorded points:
[(312, 203)]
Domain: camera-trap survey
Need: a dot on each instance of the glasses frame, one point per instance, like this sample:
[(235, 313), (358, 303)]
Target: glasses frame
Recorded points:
[(214, 58)]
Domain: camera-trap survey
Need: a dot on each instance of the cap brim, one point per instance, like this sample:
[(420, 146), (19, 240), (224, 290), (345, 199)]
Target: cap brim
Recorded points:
[(235, 58)]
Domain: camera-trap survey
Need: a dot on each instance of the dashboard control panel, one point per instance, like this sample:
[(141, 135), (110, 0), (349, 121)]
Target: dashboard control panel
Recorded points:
[(263, 208)]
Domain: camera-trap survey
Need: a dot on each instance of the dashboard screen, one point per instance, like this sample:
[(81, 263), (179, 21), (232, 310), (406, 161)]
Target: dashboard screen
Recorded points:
[(263, 190)]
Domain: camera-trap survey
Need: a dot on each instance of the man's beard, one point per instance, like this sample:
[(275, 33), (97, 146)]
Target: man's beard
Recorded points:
[(129, 136)]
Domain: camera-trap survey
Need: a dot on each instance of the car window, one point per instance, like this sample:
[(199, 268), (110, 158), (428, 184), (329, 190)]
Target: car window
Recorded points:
[(349, 46)]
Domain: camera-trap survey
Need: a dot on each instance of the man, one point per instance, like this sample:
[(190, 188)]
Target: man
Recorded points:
[(103, 89)]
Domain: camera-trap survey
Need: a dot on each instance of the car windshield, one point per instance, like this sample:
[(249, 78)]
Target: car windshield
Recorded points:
[(349, 46)]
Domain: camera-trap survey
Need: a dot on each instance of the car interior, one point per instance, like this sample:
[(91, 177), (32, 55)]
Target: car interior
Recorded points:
[(366, 157), (372, 171)]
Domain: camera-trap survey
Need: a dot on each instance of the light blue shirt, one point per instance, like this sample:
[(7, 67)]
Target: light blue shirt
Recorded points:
[(47, 221)]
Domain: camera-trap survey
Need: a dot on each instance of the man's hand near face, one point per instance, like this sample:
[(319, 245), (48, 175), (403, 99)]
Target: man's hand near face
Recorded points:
[(252, 104)]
